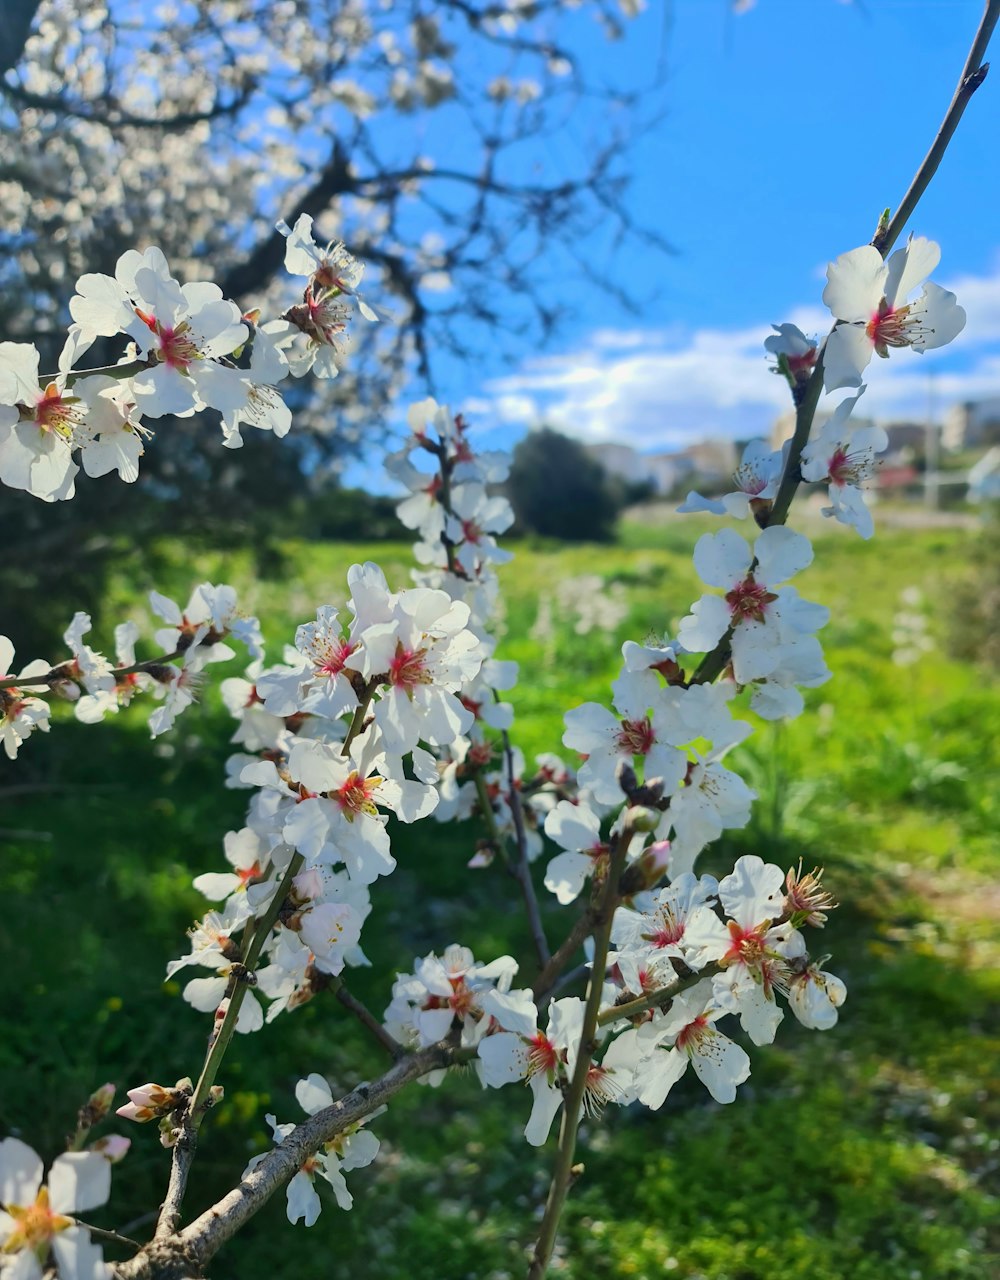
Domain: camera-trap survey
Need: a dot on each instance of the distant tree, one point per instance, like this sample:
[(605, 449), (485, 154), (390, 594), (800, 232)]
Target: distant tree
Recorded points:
[(559, 491)]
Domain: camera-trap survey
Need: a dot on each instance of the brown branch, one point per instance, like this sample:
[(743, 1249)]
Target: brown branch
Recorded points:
[(59, 674), (113, 1237), (562, 1173), (262, 263), (521, 869), (973, 75), (564, 953), (367, 1019), (115, 118), (199, 1242)]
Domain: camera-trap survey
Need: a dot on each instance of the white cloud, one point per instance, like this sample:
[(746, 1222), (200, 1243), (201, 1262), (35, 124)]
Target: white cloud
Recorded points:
[(664, 388)]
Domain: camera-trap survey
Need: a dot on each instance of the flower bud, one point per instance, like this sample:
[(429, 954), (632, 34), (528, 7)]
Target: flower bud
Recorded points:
[(149, 1101), (113, 1147), (647, 870), (639, 818)]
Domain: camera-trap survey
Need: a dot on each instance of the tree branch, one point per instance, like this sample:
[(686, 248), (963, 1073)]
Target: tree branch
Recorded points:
[(562, 1173), (973, 75), (521, 869), (253, 273), (115, 118), (367, 1019), (199, 1242)]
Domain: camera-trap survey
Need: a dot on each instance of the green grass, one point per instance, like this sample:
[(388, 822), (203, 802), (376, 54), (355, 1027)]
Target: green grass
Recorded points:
[(866, 1153)]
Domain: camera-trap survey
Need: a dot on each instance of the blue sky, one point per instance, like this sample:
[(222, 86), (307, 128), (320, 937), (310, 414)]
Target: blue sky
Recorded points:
[(786, 130)]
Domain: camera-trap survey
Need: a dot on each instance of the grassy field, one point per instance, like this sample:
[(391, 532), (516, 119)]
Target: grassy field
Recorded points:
[(866, 1153)]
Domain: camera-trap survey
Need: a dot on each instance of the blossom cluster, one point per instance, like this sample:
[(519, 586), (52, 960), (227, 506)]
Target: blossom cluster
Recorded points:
[(868, 299), (188, 349), (737, 942), (324, 787), (195, 635)]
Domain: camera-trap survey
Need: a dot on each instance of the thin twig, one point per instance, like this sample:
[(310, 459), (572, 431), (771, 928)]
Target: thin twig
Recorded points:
[(522, 866), (112, 1236), (367, 1019), (566, 980), (661, 998), (562, 1173), (973, 75), (200, 1241), (60, 673), (568, 948)]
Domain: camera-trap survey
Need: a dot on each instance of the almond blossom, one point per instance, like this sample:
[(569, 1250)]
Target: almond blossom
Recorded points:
[(868, 296), (454, 987), (760, 617), (38, 427), (815, 996), (547, 1060), (354, 1148), (111, 436), (425, 653), (36, 1219), (20, 711), (647, 940), (753, 948), (182, 329), (659, 1052), (576, 828), (756, 479), (844, 455), (796, 353)]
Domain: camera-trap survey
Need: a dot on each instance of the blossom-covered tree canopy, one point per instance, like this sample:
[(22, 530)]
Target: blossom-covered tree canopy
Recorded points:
[(410, 132)]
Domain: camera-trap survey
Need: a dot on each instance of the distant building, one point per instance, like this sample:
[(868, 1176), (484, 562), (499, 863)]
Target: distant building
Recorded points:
[(711, 460), (984, 477), (907, 439), (971, 424), (663, 471)]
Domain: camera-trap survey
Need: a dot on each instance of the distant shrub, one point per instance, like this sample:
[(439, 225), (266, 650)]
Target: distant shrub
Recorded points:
[(559, 491)]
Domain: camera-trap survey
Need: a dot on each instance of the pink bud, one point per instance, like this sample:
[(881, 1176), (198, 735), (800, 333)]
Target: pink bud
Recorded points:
[(657, 857), (113, 1147), (131, 1112), (149, 1101)]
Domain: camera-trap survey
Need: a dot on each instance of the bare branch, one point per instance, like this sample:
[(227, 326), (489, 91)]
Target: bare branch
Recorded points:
[(114, 117)]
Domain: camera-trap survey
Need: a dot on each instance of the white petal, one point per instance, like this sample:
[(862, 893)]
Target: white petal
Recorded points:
[(720, 1065), (943, 316), (855, 284), (302, 1201), (705, 625), (909, 267), (566, 875), (78, 1257), (847, 354), (20, 1172), (781, 553), (547, 1102), (722, 558), (79, 1180), (313, 1094)]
